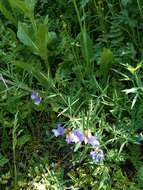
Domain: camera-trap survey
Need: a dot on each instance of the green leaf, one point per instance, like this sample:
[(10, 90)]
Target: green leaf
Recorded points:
[(23, 140), (125, 2), (136, 139), (24, 37), (51, 38), (22, 6), (131, 90), (3, 160), (86, 46), (77, 146), (106, 61), (41, 40), (84, 3), (7, 14), (31, 4), (39, 75)]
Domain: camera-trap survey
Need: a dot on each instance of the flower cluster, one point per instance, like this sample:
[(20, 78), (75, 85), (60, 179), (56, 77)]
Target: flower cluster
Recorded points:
[(36, 98), (77, 136)]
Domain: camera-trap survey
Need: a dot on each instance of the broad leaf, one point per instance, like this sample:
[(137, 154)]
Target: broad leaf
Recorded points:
[(106, 61), (41, 40), (24, 37)]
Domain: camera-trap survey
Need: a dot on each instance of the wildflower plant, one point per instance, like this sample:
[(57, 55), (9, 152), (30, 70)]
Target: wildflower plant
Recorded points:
[(78, 136), (84, 61)]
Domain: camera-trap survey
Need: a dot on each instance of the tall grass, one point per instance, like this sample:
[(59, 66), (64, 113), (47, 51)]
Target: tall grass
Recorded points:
[(71, 95)]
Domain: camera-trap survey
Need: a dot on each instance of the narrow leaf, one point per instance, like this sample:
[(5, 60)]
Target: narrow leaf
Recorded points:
[(22, 6), (7, 14), (86, 46), (42, 79)]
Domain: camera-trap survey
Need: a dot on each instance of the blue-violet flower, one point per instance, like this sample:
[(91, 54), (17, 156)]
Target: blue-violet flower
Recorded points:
[(97, 155), (70, 138), (36, 98), (59, 131), (75, 136), (93, 141)]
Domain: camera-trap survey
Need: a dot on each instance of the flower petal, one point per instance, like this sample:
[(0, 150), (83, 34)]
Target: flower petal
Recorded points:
[(93, 141)]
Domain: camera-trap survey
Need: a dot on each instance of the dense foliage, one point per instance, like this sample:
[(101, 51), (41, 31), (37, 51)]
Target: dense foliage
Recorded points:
[(71, 94)]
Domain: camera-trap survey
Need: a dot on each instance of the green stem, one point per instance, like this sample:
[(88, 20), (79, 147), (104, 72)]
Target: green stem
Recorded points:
[(78, 14), (14, 142)]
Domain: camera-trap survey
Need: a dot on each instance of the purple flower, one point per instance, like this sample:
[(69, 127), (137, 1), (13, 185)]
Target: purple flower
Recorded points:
[(70, 138), (97, 155), (75, 136), (36, 98), (93, 141), (34, 95), (59, 131), (78, 136)]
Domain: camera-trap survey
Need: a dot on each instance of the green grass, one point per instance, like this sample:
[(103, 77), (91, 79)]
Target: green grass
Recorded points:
[(84, 59)]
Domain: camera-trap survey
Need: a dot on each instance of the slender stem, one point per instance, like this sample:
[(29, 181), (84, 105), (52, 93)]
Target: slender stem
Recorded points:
[(78, 14), (140, 9), (14, 142)]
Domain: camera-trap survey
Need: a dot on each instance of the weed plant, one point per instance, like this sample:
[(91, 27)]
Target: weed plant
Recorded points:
[(71, 90)]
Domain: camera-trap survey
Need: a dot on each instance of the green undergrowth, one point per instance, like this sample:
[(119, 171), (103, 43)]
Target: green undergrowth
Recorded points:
[(85, 60)]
